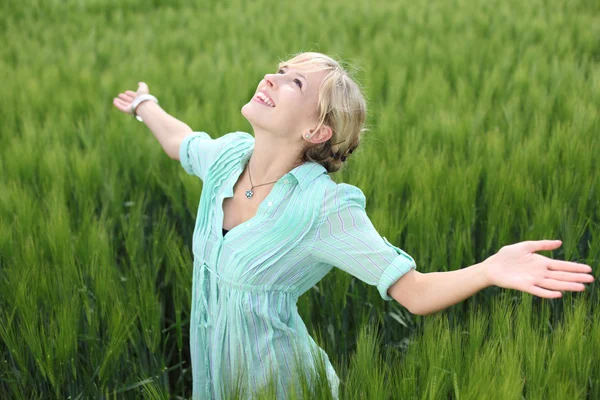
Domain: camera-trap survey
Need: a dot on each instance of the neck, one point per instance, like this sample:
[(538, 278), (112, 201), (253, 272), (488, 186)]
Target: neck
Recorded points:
[(271, 159)]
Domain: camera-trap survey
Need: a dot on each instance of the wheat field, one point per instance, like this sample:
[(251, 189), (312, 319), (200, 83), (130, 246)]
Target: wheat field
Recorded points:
[(483, 131)]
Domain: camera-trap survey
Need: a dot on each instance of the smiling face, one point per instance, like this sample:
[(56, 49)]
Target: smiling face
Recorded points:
[(286, 103)]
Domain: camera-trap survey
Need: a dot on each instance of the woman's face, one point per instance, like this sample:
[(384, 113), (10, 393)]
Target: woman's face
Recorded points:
[(286, 103)]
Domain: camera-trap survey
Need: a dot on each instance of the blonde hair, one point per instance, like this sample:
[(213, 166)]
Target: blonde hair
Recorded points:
[(341, 106)]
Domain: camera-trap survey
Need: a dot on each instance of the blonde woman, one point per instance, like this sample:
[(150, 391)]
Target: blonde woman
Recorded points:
[(271, 223)]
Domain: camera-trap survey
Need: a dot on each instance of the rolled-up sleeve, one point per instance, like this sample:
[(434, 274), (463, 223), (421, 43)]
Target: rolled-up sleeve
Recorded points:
[(198, 151), (348, 240)]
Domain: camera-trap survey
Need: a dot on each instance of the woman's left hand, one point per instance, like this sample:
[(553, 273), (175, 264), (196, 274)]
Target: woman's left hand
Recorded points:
[(517, 266)]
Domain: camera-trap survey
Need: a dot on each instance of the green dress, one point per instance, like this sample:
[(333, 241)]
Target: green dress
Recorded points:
[(245, 327)]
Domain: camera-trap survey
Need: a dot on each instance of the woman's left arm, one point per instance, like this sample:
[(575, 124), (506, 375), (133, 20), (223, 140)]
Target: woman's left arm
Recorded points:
[(515, 266)]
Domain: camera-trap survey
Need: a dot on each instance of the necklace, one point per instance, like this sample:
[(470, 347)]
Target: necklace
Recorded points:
[(250, 193)]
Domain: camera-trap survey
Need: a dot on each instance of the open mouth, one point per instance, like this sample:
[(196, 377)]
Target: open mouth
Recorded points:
[(264, 99)]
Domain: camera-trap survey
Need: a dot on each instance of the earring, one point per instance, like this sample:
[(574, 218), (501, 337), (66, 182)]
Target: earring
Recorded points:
[(306, 135)]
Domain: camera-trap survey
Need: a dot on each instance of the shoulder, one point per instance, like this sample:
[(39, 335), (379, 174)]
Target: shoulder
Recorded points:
[(237, 139), (241, 135), (209, 144), (338, 196), (233, 145)]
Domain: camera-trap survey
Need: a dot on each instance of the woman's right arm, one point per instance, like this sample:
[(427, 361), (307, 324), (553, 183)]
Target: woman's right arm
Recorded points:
[(168, 130)]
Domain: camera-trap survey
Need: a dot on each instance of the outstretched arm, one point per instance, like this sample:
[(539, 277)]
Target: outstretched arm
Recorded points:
[(168, 130), (514, 267)]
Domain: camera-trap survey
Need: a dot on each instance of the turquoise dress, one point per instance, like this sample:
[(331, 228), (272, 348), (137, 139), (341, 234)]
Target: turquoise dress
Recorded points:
[(245, 325)]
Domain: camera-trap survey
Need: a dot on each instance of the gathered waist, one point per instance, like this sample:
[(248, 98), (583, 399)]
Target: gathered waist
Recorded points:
[(291, 290)]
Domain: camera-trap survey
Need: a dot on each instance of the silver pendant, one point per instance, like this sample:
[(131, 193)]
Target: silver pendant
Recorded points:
[(249, 193)]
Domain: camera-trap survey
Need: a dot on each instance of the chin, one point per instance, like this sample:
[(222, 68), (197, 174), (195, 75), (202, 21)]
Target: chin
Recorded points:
[(249, 113), (259, 120), (246, 111)]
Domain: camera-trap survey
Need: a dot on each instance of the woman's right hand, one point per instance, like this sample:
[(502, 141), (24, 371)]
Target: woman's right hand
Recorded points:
[(124, 100)]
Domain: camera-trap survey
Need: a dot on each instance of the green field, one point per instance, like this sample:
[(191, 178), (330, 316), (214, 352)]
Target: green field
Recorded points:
[(484, 131)]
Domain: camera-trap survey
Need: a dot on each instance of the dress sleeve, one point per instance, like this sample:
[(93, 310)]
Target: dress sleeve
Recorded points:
[(198, 151), (348, 240)]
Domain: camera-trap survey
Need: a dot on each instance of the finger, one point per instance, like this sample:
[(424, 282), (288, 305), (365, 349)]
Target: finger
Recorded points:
[(118, 105), (554, 284), (541, 245), (131, 93), (142, 86), (121, 105), (569, 276), (569, 266), (547, 294), (126, 97)]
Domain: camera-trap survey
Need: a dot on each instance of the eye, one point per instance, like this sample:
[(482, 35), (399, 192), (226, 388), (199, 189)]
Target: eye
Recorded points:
[(297, 81)]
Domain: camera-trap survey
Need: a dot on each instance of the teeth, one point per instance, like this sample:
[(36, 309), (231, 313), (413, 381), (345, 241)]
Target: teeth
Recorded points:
[(264, 98)]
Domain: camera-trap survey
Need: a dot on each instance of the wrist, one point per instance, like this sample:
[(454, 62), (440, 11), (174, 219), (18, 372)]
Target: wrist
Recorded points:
[(138, 102), (486, 272), (144, 105)]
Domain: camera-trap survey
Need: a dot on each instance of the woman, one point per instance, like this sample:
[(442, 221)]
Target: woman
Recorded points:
[(271, 223)]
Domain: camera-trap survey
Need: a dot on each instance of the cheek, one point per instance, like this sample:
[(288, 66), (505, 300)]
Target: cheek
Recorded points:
[(303, 111), (298, 107), (312, 111), (309, 105)]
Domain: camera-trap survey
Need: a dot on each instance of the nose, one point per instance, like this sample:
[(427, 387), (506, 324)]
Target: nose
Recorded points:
[(270, 80)]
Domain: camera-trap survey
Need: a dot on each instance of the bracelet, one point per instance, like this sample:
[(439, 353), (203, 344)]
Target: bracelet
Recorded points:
[(136, 102)]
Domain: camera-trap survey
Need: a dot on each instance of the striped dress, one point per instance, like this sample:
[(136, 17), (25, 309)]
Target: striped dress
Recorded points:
[(245, 327)]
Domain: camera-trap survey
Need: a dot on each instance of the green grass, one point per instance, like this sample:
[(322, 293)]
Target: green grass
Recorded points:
[(484, 132)]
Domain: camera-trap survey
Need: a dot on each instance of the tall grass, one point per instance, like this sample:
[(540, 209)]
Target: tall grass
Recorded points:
[(484, 132)]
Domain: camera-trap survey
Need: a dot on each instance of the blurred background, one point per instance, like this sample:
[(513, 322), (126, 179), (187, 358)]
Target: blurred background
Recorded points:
[(484, 131)]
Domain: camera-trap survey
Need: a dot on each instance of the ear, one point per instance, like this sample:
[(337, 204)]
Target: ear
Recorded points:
[(323, 135)]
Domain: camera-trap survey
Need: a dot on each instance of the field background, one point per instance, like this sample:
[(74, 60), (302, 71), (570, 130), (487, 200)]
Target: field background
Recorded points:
[(485, 126)]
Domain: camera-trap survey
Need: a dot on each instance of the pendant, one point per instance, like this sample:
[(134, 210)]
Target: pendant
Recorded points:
[(249, 193)]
